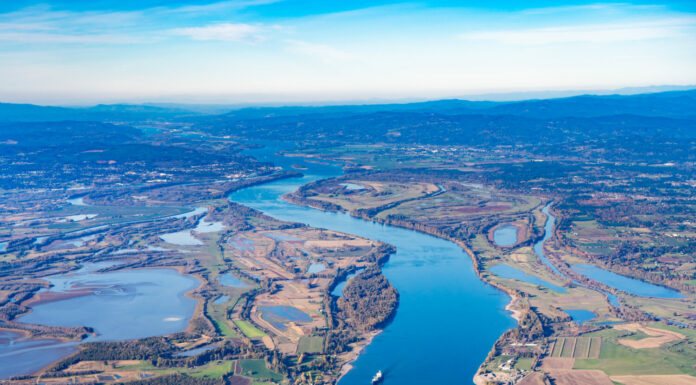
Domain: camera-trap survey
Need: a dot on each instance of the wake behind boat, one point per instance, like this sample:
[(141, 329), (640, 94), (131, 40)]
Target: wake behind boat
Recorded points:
[(378, 378)]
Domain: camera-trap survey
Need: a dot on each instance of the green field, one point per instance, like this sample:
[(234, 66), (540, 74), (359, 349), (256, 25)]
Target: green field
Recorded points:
[(257, 369), (311, 345), (524, 363), (248, 329), (214, 369), (615, 359)]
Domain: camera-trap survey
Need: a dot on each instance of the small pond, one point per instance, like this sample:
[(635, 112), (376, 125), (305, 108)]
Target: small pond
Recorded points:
[(580, 316), (279, 315), (505, 235), (316, 268), (231, 281)]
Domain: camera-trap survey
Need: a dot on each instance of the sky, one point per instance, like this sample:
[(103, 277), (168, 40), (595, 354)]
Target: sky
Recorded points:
[(69, 52)]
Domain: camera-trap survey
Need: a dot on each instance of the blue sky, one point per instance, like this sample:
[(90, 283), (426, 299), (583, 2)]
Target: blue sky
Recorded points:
[(260, 51)]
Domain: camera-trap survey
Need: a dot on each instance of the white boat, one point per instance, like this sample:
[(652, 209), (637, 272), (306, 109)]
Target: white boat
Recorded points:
[(377, 378)]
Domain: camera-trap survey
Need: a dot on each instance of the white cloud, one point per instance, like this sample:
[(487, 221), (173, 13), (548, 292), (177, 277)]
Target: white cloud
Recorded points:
[(222, 32), (598, 33), (325, 53)]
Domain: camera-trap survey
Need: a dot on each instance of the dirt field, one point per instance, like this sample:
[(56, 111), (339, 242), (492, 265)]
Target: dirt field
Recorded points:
[(659, 336), (676, 379), (579, 377), (555, 363), (532, 379)]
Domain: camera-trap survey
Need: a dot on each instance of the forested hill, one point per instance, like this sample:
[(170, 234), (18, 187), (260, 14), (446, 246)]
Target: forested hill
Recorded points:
[(674, 104)]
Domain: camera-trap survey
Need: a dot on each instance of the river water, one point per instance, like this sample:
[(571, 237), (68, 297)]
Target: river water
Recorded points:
[(447, 320)]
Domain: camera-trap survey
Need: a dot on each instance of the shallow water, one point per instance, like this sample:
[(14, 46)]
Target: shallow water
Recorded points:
[(629, 285), (181, 238), (505, 235), (230, 280), (548, 233), (209, 227), (352, 186), (221, 299), (316, 268), (580, 316), (507, 271), (196, 351), (279, 315), (338, 289), (447, 318), (126, 304), (18, 356)]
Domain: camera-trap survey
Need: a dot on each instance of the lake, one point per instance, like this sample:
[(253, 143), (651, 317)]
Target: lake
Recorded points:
[(126, 304), (441, 298)]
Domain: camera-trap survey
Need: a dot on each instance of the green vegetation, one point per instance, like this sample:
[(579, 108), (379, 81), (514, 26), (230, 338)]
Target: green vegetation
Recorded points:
[(215, 369), (615, 359), (257, 369), (224, 328), (524, 363), (311, 345), (248, 329)]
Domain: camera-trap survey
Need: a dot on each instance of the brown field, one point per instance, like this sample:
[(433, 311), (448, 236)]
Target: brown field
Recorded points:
[(674, 379), (579, 377), (555, 363), (533, 378), (660, 336), (569, 347)]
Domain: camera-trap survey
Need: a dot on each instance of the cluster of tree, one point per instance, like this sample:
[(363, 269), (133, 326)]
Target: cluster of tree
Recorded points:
[(149, 348), (179, 379), (369, 300)]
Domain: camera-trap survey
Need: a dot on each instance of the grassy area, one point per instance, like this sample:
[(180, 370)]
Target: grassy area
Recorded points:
[(225, 329), (248, 329), (311, 345), (214, 369), (257, 369), (524, 363), (616, 359)]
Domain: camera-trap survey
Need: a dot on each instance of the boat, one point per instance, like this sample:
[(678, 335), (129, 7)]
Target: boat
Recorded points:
[(377, 379)]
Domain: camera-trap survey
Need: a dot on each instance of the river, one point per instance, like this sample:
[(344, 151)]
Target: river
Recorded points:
[(447, 320)]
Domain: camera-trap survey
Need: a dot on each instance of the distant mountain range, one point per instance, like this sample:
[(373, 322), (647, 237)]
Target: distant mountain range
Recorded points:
[(673, 104)]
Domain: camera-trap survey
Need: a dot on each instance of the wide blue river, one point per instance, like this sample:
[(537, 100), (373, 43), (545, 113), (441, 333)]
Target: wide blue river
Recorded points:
[(447, 319)]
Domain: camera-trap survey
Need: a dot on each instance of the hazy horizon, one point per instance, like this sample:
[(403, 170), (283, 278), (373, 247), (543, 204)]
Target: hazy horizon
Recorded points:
[(67, 52), (500, 97)]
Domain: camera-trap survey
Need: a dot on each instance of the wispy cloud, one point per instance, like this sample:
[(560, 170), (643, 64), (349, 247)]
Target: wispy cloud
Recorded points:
[(220, 6), (61, 38), (43, 24), (223, 32), (598, 7), (323, 52), (589, 33)]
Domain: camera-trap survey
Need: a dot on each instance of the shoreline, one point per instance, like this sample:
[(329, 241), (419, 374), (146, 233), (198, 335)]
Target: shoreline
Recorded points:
[(355, 353), (513, 311), (27, 335)]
